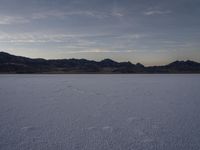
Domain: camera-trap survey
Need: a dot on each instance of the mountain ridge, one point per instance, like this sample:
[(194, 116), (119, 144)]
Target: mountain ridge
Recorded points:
[(18, 64)]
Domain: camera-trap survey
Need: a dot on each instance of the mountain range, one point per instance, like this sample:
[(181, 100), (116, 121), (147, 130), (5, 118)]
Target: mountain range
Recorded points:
[(17, 64)]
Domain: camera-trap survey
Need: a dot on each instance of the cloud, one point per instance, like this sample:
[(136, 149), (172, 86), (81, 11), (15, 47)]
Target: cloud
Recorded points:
[(87, 13), (6, 20), (27, 18), (63, 14), (70, 41), (157, 12), (30, 38), (99, 50), (38, 37), (131, 36), (117, 14), (112, 50), (59, 14), (73, 43)]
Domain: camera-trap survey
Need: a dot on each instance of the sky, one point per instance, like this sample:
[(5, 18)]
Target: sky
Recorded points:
[(152, 32)]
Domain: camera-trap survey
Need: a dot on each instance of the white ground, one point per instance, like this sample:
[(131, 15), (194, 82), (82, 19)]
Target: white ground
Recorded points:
[(100, 112)]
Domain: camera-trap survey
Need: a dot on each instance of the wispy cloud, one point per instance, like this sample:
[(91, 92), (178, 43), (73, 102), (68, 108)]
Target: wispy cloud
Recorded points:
[(117, 14), (100, 50), (27, 18), (63, 14), (87, 13), (58, 41), (6, 20), (157, 12), (59, 14), (72, 43), (38, 37), (131, 36), (30, 37)]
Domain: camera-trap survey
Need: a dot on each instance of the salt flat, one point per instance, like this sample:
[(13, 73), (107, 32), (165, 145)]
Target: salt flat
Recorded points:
[(100, 112)]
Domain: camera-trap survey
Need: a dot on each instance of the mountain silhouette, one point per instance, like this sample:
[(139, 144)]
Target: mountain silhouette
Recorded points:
[(17, 64)]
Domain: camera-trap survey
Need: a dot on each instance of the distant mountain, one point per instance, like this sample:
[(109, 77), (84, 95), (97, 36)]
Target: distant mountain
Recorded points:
[(17, 64)]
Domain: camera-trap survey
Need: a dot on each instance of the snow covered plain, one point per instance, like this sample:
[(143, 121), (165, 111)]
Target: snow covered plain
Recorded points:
[(100, 112)]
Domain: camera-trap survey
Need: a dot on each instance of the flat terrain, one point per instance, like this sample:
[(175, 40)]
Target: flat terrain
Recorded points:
[(100, 112)]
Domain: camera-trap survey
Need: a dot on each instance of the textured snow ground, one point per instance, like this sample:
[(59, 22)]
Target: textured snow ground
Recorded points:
[(100, 112)]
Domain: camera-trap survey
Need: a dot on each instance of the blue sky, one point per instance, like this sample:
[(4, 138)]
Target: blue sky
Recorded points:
[(148, 31)]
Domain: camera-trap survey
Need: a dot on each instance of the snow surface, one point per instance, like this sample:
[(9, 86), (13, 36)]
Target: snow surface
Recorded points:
[(99, 112)]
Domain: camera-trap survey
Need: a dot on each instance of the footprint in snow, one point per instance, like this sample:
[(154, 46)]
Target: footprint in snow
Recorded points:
[(107, 128), (147, 140), (132, 119), (91, 128), (28, 128)]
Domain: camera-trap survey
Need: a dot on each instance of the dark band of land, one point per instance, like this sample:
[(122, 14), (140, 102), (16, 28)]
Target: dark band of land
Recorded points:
[(10, 64)]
